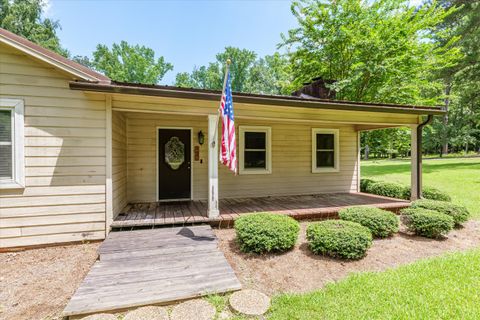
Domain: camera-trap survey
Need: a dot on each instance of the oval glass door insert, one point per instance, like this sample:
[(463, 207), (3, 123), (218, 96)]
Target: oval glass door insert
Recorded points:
[(174, 153)]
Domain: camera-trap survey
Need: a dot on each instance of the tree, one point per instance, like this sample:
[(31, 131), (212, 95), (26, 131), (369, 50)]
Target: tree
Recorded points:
[(128, 63), (462, 80), (377, 51), (268, 75), (24, 18)]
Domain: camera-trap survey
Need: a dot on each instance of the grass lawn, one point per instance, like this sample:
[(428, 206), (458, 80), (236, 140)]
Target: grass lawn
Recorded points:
[(460, 178), (438, 288)]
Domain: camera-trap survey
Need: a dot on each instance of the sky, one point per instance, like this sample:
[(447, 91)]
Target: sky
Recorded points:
[(186, 33)]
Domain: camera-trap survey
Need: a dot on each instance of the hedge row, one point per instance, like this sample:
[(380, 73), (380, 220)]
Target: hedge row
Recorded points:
[(399, 191), (350, 237)]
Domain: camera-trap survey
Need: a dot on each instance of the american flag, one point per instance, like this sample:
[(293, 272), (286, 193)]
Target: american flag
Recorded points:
[(228, 152)]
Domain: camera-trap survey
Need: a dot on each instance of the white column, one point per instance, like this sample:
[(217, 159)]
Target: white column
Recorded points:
[(414, 164), (108, 166), (213, 210)]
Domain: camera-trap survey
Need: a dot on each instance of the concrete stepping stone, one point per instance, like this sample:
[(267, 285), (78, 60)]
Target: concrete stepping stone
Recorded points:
[(249, 302), (193, 310), (147, 313), (101, 316)]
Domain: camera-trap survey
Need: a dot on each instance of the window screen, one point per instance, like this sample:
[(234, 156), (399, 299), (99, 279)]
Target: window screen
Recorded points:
[(325, 153), (255, 152), (6, 145)]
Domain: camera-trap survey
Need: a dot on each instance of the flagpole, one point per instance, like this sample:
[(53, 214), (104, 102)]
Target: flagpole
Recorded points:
[(227, 67)]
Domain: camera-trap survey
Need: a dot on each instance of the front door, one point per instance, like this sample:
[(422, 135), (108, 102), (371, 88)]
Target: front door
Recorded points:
[(174, 164)]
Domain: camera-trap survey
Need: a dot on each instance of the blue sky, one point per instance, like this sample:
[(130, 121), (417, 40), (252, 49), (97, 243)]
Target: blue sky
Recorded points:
[(186, 33)]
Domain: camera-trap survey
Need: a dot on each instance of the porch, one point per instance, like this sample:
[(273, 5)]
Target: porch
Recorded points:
[(316, 206)]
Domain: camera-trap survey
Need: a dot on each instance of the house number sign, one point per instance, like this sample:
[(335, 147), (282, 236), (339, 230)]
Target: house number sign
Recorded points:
[(174, 153)]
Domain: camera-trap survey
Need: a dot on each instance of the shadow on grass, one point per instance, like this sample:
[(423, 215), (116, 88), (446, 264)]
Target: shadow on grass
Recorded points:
[(405, 168)]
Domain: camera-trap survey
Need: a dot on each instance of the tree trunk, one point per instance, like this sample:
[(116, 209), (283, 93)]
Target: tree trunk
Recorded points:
[(444, 150)]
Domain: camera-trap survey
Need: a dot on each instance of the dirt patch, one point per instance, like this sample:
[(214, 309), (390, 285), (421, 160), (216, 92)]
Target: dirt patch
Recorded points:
[(37, 283), (299, 270)]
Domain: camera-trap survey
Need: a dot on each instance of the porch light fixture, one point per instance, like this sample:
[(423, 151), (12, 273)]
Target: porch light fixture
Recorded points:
[(201, 137)]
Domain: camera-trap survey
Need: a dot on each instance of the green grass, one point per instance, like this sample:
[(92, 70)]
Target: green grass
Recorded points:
[(460, 178), (439, 288)]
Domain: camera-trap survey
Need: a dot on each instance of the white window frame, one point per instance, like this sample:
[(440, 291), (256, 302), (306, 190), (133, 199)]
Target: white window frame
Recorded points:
[(16, 106), (336, 150), (268, 150)]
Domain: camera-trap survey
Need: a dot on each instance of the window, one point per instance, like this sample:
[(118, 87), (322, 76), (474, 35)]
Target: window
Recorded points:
[(11, 144), (325, 150), (255, 150)]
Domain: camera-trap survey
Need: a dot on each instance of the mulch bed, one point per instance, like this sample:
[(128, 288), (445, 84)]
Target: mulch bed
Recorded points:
[(37, 283), (299, 270)]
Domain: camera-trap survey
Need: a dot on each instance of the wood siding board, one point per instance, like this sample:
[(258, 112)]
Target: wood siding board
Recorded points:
[(64, 197)]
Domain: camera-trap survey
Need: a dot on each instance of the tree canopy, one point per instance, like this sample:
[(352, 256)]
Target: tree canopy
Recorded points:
[(24, 18), (268, 75), (130, 63), (377, 51)]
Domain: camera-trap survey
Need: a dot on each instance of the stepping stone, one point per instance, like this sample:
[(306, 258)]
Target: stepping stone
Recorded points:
[(249, 302), (101, 316), (147, 313), (193, 310)]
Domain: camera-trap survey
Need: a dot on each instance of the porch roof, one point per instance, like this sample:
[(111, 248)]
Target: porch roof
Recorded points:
[(260, 99)]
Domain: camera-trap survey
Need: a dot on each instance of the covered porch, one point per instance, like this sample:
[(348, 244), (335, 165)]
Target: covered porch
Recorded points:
[(316, 206), (148, 186)]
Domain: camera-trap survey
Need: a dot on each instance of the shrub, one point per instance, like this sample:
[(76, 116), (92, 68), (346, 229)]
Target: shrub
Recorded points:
[(364, 183), (428, 193), (380, 222), (459, 213), (266, 232), (338, 238), (435, 194), (427, 223), (387, 189)]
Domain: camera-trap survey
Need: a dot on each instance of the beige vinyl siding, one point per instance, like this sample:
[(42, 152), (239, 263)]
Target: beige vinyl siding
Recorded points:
[(119, 162), (291, 160), (142, 156), (64, 197), (292, 165)]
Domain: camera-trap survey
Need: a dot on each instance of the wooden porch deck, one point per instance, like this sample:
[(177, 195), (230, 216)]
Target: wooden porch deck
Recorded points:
[(318, 206), (154, 266)]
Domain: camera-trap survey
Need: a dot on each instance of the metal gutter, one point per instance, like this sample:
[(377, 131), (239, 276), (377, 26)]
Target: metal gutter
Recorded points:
[(287, 101)]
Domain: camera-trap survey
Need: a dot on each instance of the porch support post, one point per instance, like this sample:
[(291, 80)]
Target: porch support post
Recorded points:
[(416, 155), (213, 210), (108, 166), (415, 177)]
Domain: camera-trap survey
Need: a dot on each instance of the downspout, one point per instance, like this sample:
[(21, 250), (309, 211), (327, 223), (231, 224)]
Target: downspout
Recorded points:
[(419, 155)]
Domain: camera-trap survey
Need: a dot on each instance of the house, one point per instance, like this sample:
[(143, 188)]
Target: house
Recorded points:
[(78, 148)]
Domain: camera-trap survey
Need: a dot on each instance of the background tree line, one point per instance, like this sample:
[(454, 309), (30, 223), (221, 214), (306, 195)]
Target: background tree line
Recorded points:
[(376, 51)]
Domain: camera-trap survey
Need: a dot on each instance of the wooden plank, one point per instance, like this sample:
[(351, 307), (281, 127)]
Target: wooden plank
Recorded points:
[(153, 267)]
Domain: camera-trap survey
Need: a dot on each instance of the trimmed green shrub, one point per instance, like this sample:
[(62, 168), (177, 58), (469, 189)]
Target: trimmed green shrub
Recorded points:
[(435, 194), (266, 232), (387, 189), (428, 193), (459, 213), (339, 238), (427, 223), (380, 222), (364, 183)]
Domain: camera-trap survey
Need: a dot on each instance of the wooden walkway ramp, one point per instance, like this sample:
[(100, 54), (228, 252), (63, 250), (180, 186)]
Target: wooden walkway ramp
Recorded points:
[(153, 266)]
